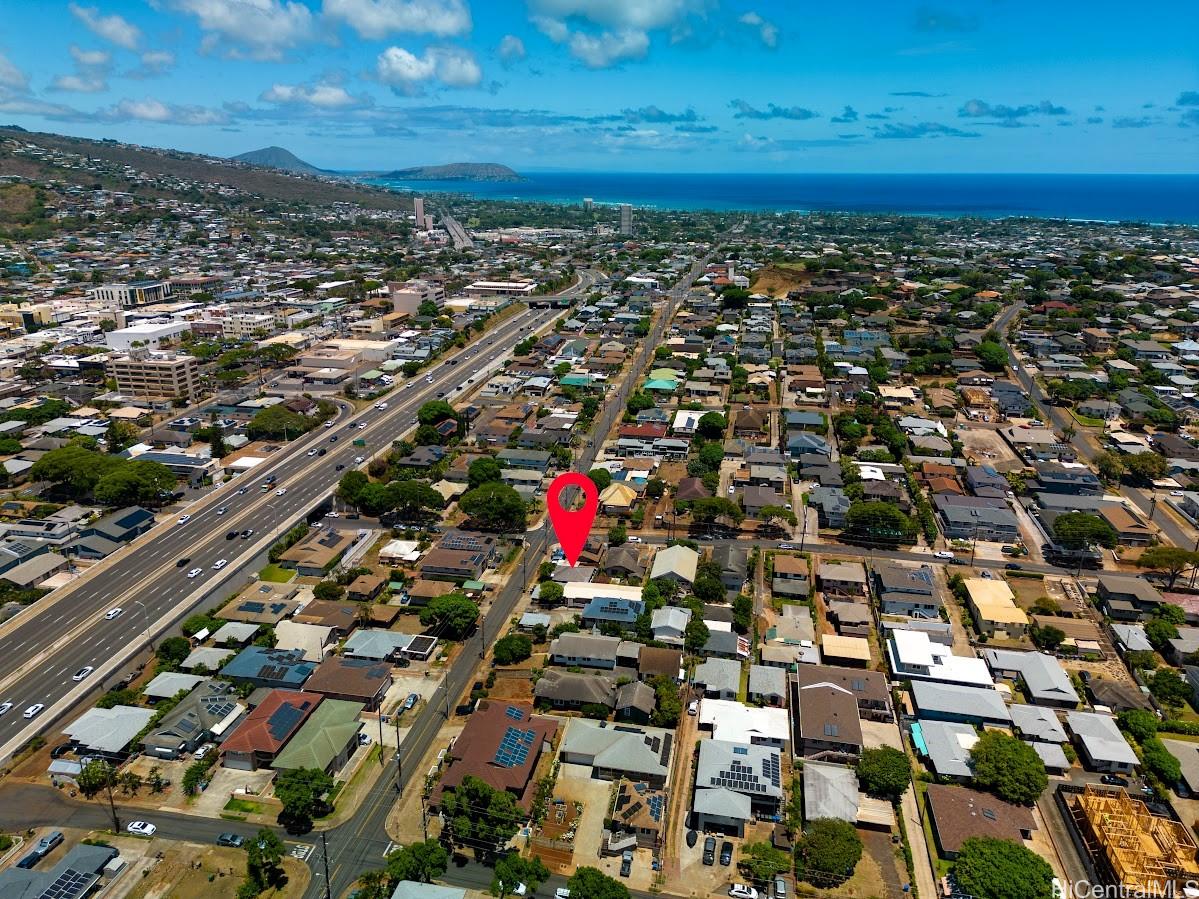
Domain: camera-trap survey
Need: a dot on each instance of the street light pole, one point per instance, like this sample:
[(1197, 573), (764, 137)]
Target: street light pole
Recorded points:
[(145, 623)]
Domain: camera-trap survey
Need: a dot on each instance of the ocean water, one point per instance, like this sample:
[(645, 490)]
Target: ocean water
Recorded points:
[(1138, 198)]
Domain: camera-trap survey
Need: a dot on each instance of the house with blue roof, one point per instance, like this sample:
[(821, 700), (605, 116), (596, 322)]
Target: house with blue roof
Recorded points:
[(266, 667), (611, 610)]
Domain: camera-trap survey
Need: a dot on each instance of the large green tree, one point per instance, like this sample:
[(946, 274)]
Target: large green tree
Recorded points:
[(480, 816), (593, 883), (1078, 530), (1170, 561), (601, 477), (137, 482), (418, 862), (711, 426), (512, 648), (1008, 767), (453, 614), (483, 470), (264, 861), (74, 470), (495, 507), (884, 772), (761, 862), (435, 411), (828, 852), (301, 791), (279, 423), (879, 524), (512, 869), (1001, 869)]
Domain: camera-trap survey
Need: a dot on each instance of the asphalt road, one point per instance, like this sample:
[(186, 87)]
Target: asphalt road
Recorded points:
[(46, 644), (1143, 499), (358, 845)]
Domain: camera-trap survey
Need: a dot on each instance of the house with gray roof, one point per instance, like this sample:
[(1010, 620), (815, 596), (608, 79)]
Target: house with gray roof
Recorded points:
[(733, 783), (211, 709), (76, 875), (1045, 681), (107, 732), (569, 690), (946, 747), (767, 684), (1036, 723), (615, 751), (376, 644), (955, 702), (584, 650), (669, 624), (830, 791), (635, 702), (171, 683), (1101, 746), (719, 678)]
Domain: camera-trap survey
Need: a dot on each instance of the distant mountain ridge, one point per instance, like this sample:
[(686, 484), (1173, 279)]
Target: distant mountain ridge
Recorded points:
[(278, 158), (456, 171)]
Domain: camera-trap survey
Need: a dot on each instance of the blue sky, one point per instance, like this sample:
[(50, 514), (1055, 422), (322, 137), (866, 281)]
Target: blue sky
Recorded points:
[(622, 85)]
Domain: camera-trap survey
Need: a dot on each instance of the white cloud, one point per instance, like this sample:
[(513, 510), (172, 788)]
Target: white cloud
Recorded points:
[(407, 73), (254, 29), (152, 110), (511, 48), (154, 62), (619, 29), (768, 32), (323, 96), (79, 84), (92, 59), (602, 50), (114, 28), (620, 15), (379, 18), (90, 75), (12, 78)]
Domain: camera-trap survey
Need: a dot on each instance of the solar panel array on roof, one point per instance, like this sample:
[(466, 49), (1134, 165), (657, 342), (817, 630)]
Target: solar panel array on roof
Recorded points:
[(514, 747), (741, 777), (284, 719), (70, 884), (219, 706), (655, 804), (252, 606), (514, 713)]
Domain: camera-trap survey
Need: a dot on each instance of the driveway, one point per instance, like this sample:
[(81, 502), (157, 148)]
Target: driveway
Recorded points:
[(575, 784)]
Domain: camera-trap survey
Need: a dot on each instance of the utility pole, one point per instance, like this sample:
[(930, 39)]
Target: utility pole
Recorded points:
[(382, 762), (325, 861), (110, 775), (399, 761)]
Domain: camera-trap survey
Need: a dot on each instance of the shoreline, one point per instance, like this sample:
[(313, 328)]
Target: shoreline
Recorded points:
[(994, 198)]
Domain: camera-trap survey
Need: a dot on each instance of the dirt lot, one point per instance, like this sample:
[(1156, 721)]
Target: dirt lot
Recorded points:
[(188, 871), (987, 447)]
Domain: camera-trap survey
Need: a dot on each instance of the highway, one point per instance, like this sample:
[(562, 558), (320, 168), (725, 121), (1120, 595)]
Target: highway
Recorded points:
[(47, 643), (358, 845)]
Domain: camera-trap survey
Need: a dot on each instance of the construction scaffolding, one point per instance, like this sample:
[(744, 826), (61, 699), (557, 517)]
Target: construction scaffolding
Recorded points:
[(1147, 854)]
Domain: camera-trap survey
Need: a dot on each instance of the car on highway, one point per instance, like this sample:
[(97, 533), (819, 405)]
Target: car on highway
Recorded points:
[(742, 891), (233, 840), (219, 564), (229, 535), (5, 708), (222, 510), (440, 394), (362, 425), (943, 554), (180, 563), (141, 828), (280, 491), (195, 572), (312, 452), (34, 710), (115, 612), (247, 533), (184, 519), (328, 425), (321, 451), (333, 439), (82, 673), (358, 460), (339, 467), (240, 491)]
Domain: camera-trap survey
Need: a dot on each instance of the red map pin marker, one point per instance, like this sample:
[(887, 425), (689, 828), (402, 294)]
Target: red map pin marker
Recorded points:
[(572, 526)]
